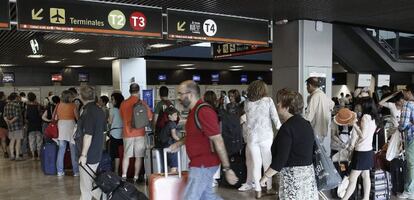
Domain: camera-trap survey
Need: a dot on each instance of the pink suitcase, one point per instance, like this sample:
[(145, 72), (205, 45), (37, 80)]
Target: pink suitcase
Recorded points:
[(164, 186)]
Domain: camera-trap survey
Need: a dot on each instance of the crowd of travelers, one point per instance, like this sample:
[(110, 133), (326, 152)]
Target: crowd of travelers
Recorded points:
[(247, 137)]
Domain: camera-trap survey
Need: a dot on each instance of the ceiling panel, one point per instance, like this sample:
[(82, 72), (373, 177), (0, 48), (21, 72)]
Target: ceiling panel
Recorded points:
[(387, 14)]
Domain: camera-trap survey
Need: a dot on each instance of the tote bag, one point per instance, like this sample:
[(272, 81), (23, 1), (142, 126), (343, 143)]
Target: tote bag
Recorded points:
[(327, 177), (51, 130)]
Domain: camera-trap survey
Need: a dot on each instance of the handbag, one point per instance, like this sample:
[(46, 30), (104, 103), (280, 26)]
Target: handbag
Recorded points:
[(327, 177), (51, 130), (394, 146)]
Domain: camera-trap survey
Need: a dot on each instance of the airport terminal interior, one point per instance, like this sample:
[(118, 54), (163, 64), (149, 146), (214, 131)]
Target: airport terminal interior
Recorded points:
[(352, 53)]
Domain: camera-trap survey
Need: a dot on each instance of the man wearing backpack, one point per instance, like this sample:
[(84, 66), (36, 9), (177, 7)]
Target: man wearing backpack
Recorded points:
[(162, 105), (135, 115), (205, 159)]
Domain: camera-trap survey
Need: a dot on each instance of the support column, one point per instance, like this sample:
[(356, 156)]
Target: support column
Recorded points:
[(127, 71), (302, 49)]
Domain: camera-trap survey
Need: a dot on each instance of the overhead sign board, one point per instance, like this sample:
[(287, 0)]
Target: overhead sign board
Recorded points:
[(89, 17), (4, 14), (383, 79), (227, 50), (190, 25), (364, 80)]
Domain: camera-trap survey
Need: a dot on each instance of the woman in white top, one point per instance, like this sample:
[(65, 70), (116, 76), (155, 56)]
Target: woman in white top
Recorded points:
[(361, 144), (395, 103), (260, 112)]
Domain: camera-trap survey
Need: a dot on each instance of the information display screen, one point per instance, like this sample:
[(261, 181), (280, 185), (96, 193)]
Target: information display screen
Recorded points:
[(196, 78), (215, 77), (243, 79), (83, 77), (57, 77), (162, 77), (8, 77)]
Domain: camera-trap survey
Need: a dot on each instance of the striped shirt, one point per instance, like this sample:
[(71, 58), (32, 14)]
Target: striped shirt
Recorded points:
[(11, 110), (407, 120)]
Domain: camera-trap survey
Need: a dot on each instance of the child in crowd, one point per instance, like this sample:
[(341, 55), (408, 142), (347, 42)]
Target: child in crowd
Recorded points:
[(168, 136)]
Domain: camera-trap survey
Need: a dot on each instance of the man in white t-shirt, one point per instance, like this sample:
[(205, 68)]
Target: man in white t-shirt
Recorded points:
[(395, 103)]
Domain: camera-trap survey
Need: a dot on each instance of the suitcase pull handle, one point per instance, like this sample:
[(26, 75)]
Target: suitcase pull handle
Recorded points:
[(166, 150)]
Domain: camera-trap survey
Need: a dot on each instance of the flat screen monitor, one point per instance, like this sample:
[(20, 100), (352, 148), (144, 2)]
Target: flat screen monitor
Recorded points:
[(83, 77), (57, 77), (243, 79), (8, 77), (162, 77), (196, 78), (339, 78), (260, 78), (215, 77)]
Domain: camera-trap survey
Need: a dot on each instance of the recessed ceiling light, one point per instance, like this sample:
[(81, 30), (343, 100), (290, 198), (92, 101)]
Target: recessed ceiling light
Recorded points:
[(189, 68), (236, 66), (202, 44), (160, 45), (35, 56), (185, 65), (75, 66), (237, 69), (84, 51), (68, 41), (107, 58), (53, 61), (6, 65), (271, 69)]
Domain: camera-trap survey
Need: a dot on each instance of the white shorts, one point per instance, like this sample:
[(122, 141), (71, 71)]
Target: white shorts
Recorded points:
[(134, 147)]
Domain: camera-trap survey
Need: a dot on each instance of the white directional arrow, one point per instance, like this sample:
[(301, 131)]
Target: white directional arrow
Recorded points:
[(36, 15), (180, 26)]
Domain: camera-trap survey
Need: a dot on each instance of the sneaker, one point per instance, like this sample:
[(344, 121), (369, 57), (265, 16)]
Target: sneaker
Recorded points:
[(124, 178), (404, 195), (19, 159), (76, 174), (11, 158), (60, 174), (245, 187)]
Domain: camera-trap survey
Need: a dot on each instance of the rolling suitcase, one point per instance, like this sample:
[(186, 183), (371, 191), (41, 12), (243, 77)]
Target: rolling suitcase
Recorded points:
[(48, 158), (152, 161), (67, 161), (106, 163), (380, 185), (398, 170), (168, 186), (238, 165)]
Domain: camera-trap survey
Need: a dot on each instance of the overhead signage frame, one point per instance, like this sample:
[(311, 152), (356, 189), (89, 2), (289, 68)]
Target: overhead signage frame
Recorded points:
[(226, 50), (90, 17), (200, 26), (4, 14)]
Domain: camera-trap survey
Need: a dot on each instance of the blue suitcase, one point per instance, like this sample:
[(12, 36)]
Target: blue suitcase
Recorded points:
[(48, 158)]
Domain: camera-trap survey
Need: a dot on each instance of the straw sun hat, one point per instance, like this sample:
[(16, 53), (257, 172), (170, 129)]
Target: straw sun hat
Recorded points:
[(344, 117)]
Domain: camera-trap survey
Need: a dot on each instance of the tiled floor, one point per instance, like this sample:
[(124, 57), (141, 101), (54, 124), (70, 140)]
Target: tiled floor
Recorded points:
[(22, 180)]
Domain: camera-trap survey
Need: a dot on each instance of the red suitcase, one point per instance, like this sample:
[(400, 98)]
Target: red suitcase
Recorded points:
[(164, 186)]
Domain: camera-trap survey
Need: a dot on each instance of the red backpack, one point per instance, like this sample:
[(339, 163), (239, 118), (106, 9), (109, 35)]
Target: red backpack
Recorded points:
[(162, 119)]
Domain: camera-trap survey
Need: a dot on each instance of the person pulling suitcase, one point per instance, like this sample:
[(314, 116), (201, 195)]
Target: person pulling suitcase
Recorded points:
[(204, 145)]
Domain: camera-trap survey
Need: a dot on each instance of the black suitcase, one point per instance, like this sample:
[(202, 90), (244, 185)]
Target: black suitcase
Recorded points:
[(398, 172), (238, 165), (127, 191), (106, 181)]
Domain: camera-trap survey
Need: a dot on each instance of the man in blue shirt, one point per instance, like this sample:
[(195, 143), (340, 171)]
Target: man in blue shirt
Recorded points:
[(407, 127)]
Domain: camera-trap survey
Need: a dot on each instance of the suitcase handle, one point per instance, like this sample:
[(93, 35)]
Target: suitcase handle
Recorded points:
[(166, 150)]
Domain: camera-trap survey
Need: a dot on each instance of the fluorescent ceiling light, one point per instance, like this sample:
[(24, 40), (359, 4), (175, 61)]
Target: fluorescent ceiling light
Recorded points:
[(235, 69), (236, 66), (410, 56), (68, 41), (75, 66), (160, 45), (35, 56), (84, 51), (185, 65), (202, 44), (107, 58), (190, 68), (6, 65), (53, 61)]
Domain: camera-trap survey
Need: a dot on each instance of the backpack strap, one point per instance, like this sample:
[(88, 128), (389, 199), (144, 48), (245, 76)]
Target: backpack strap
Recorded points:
[(196, 118)]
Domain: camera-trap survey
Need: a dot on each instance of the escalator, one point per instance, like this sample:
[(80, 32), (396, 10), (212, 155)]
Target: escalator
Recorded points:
[(358, 51)]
